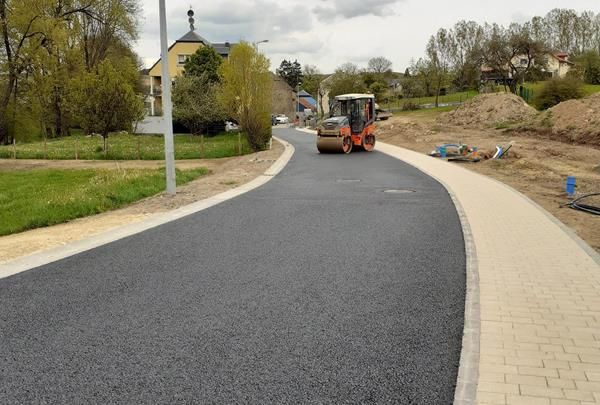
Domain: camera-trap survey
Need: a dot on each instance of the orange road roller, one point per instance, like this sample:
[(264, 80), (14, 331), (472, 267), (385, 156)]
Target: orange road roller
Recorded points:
[(351, 125)]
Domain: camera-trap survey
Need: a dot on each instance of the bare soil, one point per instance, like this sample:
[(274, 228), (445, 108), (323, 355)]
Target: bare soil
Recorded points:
[(573, 121), (225, 174), (490, 110), (536, 166)]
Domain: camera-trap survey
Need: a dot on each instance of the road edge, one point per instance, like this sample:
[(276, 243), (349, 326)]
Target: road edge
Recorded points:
[(465, 392), (468, 372), (32, 261)]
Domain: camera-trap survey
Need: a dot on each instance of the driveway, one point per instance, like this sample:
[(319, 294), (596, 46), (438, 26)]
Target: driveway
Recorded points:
[(318, 287)]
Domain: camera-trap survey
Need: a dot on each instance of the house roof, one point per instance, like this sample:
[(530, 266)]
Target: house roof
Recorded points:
[(562, 57), (303, 93), (193, 36)]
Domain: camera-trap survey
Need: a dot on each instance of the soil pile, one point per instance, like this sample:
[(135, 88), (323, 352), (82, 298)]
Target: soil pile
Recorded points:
[(490, 110), (573, 121)]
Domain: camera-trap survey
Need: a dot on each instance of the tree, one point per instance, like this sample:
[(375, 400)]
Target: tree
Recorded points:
[(587, 67), (557, 90), (440, 51), (195, 102), (379, 65), (246, 92), (378, 89), (291, 73), (106, 101), (346, 79), (466, 67), (204, 62)]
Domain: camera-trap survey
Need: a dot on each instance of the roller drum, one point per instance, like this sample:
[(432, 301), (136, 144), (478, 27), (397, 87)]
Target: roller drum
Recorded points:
[(330, 144)]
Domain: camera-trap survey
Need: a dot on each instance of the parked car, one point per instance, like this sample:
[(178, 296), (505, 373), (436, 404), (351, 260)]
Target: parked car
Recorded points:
[(231, 127), (282, 119)]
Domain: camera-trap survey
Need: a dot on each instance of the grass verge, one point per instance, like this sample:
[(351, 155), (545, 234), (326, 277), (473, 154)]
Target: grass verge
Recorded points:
[(38, 198), (128, 147)]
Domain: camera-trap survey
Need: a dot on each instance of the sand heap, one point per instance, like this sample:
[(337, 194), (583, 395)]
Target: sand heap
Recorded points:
[(490, 110), (573, 121)]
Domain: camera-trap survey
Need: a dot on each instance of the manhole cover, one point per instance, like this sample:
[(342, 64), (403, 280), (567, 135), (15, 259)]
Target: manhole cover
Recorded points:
[(399, 191), (348, 181)]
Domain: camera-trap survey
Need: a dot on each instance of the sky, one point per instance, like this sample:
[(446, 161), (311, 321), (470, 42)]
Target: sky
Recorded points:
[(328, 33)]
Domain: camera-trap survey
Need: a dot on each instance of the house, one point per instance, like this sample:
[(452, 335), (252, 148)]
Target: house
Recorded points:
[(305, 102), (559, 64), (556, 65), (178, 54)]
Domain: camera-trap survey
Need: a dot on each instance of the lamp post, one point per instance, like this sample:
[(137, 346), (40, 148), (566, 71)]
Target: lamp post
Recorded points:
[(166, 101), (256, 44)]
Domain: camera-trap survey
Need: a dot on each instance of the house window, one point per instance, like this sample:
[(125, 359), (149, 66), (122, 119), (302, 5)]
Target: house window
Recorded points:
[(181, 59), (524, 62)]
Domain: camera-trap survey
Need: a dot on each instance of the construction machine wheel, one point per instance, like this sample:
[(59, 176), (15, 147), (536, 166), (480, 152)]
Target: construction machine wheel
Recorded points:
[(335, 145), (368, 142)]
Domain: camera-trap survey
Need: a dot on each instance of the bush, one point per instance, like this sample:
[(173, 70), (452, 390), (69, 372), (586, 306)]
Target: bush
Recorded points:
[(410, 106), (556, 91)]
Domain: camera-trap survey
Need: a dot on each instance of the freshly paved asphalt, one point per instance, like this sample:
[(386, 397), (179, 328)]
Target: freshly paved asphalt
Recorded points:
[(307, 290)]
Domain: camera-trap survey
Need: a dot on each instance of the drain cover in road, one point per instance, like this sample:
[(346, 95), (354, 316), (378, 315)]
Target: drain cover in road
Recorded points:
[(399, 191)]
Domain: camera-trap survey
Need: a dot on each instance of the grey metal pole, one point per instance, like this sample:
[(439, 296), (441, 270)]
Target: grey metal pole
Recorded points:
[(167, 103)]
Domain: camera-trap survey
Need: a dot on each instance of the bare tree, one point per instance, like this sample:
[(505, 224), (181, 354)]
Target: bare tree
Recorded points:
[(379, 65)]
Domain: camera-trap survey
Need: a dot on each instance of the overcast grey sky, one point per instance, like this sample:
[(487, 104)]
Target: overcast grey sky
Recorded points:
[(327, 33)]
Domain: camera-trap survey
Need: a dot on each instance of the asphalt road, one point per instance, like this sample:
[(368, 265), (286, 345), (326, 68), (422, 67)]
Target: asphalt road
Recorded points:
[(315, 288)]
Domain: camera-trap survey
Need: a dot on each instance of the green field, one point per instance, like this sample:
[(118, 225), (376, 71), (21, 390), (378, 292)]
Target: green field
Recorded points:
[(38, 198), (127, 147), (449, 98), (588, 89)]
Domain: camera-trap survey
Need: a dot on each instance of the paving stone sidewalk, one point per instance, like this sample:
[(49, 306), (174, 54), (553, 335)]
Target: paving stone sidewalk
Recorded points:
[(539, 297)]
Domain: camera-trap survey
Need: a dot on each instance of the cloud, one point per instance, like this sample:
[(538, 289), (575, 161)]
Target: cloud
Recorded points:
[(336, 9)]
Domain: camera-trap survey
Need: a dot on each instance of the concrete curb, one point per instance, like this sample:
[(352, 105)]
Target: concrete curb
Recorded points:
[(48, 256), (468, 372)]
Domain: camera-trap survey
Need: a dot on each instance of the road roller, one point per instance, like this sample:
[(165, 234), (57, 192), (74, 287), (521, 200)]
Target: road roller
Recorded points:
[(351, 125)]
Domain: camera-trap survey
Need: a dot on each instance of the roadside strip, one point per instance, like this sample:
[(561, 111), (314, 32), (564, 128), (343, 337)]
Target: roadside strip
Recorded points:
[(48, 256)]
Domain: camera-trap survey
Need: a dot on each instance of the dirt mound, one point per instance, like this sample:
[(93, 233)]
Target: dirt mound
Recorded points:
[(490, 110), (573, 121)]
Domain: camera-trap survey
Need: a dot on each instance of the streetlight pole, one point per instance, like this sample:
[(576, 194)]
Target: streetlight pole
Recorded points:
[(166, 101), (256, 44)]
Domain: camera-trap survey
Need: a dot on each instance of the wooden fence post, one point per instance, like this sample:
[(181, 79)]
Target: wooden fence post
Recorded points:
[(76, 147), (45, 146), (14, 148), (139, 149), (201, 146), (240, 143)]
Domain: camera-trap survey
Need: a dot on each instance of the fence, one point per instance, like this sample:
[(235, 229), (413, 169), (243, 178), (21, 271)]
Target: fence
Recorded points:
[(128, 147)]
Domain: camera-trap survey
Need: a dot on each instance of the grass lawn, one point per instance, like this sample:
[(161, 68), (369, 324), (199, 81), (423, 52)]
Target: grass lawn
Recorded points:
[(128, 147), (426, 112), (38, 198), (449, 98), (588, 89)]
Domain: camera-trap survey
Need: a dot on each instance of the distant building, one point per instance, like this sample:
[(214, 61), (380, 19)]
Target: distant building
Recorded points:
[(178, 54), (557, 65)]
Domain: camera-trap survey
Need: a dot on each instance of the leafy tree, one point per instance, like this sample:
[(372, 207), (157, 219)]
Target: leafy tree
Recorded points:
[(587, 67), (246, 92), (106, 101), (557, 90), (291, 73), (379, 65), (204, 62), (346, 79), (378, 89), (195, 102), (440, 50)]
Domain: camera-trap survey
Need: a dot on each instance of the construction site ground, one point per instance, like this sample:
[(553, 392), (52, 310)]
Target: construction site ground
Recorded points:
[(536, 166)]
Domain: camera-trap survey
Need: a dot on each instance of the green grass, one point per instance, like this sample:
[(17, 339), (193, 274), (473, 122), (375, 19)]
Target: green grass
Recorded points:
[(449, 98), (588, 89), (127, 147), (37, 198), (424, 112)]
